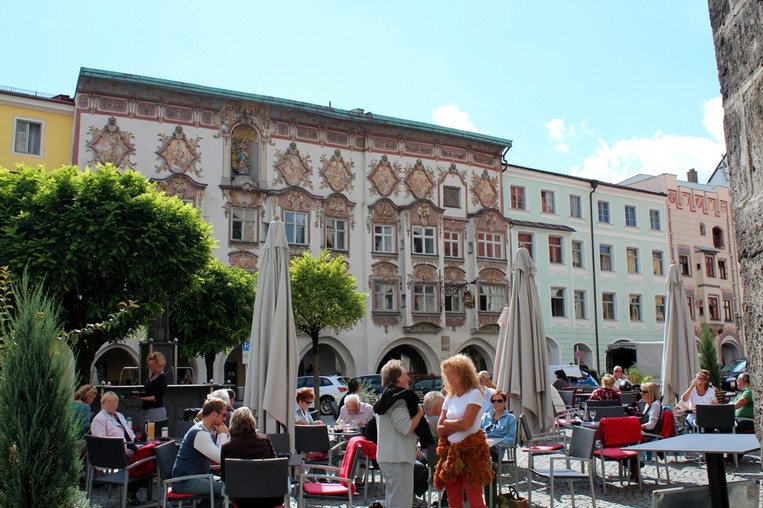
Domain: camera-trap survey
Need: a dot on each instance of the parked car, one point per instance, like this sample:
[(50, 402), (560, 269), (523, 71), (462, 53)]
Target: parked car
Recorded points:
[(730, 372), (332, 388), (373, 385), (426, 385)]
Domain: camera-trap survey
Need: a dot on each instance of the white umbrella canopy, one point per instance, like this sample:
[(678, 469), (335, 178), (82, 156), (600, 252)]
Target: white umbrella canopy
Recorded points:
[(271, 374), (679, 352), (521, 366)]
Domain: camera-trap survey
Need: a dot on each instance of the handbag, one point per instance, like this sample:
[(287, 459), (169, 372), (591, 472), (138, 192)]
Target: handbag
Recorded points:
[(512, 499)]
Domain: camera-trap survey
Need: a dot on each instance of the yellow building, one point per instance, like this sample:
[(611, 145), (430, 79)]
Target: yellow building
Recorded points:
[(35, 129)]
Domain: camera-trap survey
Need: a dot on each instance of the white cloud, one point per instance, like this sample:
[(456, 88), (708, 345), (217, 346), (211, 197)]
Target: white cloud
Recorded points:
[(562, 147), (555, 128), (660, 153), (451, 116)]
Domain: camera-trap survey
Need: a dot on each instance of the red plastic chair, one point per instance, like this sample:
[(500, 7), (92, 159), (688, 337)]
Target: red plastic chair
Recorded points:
[(614, 434)]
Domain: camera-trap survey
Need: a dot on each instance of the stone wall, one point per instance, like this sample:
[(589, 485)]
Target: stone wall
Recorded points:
[(738, 36)]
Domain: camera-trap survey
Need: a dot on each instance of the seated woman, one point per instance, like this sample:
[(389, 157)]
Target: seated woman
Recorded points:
[(562, 381), (607, 391), (498, 423), (111, 423), (246, 443), (83, 398), (305, 397), (650, 394), (699, 392)]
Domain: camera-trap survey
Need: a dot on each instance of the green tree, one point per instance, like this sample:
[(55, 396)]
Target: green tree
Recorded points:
[(324, 295), (39, 460), (100, 238), (215, 314), (708, 355)]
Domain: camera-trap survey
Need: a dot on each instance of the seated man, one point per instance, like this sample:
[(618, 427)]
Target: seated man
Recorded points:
[(354, 412), (743, 404), (622, 383), (201, 445)]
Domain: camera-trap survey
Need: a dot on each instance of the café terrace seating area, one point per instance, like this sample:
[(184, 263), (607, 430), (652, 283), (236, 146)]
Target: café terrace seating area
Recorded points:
[(334, 466)]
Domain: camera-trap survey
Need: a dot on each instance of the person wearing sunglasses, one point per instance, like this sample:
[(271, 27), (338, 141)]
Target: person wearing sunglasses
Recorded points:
[(498, 423)]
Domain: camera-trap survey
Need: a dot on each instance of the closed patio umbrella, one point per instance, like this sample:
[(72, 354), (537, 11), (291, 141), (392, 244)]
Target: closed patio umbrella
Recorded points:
[(271, 375), (521, 365), (679, 352)]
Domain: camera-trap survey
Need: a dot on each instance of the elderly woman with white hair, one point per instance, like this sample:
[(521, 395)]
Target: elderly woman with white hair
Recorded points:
[(111, 423), (354, 412)]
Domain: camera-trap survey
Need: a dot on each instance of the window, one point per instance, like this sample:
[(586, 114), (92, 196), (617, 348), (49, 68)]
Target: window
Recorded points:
[(605, 258), (384, 239), (492, 298), (702, 229), (722, 269), (557, 302), (296, 227), (654, 220), (727, 310), (547, 204), (555, 249), (603, 207), (490, 245), (425, 298), (243, 224), (608, 306), (713, 308), (336, 234), (684, 262), (710, 266), (576, 210), (635, 307), (453, 301), (690, 303), (423, 240), (657, 267), (577, 254), (451, 244), (28, 137), (451, 197), (580, 310), (701, 307), (659, 308), (517, 197), (526, 240), (631, 256), (717, 238), (385, 297), (630, 216)]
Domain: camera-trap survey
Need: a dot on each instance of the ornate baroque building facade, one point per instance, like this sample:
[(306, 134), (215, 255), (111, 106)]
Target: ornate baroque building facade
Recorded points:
[(416, 209)]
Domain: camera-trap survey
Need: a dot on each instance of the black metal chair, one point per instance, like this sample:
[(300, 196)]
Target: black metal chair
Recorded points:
[(165, 460), (108, 453), (595, 414), (281, 444), (256, 479), (716, 418), (313, 438)]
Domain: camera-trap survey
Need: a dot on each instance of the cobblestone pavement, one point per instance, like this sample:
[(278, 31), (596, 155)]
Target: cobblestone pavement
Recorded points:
[(683, 472)]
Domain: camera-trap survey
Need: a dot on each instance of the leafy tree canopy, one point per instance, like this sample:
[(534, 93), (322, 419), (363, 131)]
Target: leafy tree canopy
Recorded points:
[(215, 314), (324, 295), (99, 238)]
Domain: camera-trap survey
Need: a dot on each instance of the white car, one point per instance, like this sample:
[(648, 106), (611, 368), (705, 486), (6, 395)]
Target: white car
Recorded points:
[(331, 390)]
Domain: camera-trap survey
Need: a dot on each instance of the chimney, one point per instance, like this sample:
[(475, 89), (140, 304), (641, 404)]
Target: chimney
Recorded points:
[(691, 175)]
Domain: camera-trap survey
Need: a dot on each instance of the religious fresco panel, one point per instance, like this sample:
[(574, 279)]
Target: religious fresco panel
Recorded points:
[(384, 177), (420, 181), (177, 153), (337, 174), (292, 168), (111, 145)]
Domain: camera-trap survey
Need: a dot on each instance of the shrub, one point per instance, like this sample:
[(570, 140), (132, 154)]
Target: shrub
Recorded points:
[(636, 376), (708, 355), (39, 461)]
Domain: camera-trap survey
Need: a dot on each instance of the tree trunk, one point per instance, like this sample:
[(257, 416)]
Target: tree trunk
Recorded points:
[(316, 372)]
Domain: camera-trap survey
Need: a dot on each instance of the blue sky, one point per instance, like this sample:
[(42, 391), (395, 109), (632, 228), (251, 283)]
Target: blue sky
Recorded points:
[(599, 89)]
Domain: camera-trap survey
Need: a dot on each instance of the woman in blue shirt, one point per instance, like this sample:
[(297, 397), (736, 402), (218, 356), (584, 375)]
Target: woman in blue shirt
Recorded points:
[(498, 423)]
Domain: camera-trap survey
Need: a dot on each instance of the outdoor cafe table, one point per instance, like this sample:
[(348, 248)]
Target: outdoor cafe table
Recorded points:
[(714, 446)]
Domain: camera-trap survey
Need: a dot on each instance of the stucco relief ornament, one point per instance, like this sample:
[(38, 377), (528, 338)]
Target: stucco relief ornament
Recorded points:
[(292, 168), (111, 145), (484, 190), (177, 153), (336, 172), (420, 181), (384, 177), (424, 210)]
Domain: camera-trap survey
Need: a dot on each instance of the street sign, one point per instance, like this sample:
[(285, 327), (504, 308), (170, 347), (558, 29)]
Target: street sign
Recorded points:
[(245, 352)]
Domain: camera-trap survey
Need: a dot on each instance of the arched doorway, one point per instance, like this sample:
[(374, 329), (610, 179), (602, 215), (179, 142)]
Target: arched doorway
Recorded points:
[(477, 355), (234, 371), (730, 350), (411, 359), (587, 355), (116, 364), (553, 352), (330, 362)]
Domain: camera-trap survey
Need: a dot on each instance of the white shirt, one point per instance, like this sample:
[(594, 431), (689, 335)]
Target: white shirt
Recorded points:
[(455, 407), (359, 419), (106, 425), (695, 398)]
